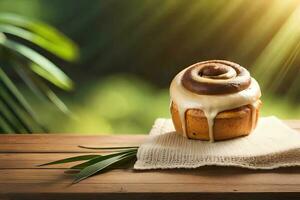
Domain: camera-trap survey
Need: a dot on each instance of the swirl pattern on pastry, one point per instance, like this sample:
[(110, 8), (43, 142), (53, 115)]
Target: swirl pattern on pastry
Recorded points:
[(216, 77)]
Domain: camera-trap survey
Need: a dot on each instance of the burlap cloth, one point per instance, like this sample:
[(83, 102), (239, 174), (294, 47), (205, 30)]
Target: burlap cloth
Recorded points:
[(273, 144)]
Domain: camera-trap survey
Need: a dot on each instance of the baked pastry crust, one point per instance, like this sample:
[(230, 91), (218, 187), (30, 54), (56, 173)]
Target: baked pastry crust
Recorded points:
[(227, 124)]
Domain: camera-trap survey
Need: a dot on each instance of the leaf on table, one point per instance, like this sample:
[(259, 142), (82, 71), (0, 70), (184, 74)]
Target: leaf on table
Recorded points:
[(99, 159), (108, 148), (72, 159), (99, 166)]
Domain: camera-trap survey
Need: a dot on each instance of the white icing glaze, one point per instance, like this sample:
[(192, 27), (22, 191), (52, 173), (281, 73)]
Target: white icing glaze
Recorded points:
[(253, 107), (211, 105)]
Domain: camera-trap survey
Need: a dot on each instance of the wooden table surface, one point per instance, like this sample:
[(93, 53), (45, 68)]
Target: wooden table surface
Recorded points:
[(20, 178)]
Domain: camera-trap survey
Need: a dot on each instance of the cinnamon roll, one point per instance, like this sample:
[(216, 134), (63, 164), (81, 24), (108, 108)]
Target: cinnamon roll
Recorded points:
[(214, 100)]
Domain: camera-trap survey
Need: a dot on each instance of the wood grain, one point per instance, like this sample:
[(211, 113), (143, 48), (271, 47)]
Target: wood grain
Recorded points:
[(59, 143), (20, 178)]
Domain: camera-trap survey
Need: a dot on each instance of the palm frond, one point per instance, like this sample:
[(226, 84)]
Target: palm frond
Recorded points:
[(16, 113), (93, 164), (41, 34), (99, 166), (40, 89), (15, 103), (72, 159), (42, 66)]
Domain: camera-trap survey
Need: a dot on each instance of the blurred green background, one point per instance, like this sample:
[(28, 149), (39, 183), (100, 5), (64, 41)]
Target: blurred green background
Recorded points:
[(130, 51)]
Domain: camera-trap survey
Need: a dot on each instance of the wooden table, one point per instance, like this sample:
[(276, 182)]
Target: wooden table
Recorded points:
[(21, 179)]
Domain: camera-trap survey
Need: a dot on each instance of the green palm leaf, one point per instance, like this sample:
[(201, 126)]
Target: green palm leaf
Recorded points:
[(108, 148), (99, 166), (5, 125), (14, 102), (42, 66), (9, 119), (40, 89), (16, 113), (41, 34), (72, 159), (98, 163), (13, 112), (27, 76), (99, 159)]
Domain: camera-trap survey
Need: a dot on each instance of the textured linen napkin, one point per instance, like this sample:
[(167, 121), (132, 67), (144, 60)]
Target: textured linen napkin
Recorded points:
[(273, 144)]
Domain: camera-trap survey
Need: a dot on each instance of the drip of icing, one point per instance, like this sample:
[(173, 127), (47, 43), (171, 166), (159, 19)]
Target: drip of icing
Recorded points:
[(253, 107), (210, 116), (211, 105)]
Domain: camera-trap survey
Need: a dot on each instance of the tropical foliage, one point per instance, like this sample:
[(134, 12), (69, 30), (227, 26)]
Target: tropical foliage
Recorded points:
[(19, 37), (119, 157)]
